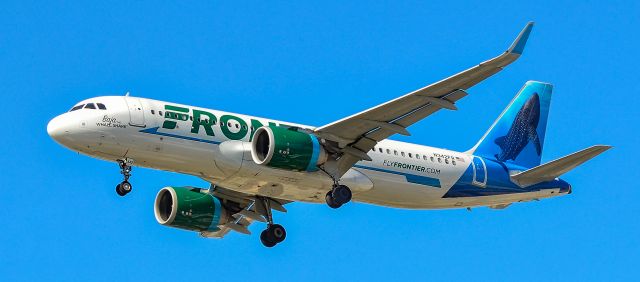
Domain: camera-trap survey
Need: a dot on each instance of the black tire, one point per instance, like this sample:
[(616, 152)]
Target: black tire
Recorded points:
[(266, 241), (119, 190), (341, 194), (349, 194), (277, 233), (126, 187), (331, 201)]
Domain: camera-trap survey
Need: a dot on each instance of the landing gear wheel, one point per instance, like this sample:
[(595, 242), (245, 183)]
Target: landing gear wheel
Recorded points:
[(119, 190), (125, 186), (277, 232), (342, 194), (266, 241), (125, 169), (331, 202), (273, 235), (338, 196)]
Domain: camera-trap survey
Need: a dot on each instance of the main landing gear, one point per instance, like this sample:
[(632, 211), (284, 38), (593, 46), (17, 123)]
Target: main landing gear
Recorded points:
[(274, 233), (338, 196), (125, 169)]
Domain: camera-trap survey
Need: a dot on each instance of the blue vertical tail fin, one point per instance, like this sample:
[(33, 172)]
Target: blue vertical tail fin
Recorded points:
[(517, 136)]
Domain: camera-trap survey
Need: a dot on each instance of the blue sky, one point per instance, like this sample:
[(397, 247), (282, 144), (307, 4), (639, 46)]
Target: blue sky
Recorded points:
[(313, 63)]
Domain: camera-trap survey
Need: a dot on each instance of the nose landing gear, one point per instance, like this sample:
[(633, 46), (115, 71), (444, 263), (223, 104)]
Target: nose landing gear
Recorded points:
[(125, 169)]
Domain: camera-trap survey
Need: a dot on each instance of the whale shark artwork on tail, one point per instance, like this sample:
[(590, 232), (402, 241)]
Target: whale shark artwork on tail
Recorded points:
[(517, 136), (523, 130)]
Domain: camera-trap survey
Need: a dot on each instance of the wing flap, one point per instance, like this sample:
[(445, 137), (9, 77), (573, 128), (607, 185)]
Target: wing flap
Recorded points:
[(251, 209), (555, 168)]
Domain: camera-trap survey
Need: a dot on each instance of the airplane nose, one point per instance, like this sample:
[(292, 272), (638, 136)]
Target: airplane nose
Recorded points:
[(57, 127)]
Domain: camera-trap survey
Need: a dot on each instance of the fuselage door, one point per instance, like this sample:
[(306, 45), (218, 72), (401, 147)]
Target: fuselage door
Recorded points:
[(479, 172), (136, 112)]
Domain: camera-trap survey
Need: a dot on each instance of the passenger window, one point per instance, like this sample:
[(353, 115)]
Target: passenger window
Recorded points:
[(417, 156), (191, 118), (439, 160), (432, 159), (388, 151), (446, 161), (395, 152), (160, 113), (453, 162), (90, 106), (424, 157), (402, 153), (380, 149), (410, 155), (237, 126), (76, 108), (101, 106), (153, 112)]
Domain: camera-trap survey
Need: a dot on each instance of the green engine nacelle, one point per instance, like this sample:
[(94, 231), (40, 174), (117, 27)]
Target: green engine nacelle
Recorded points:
[(189, 208), (287, 148)]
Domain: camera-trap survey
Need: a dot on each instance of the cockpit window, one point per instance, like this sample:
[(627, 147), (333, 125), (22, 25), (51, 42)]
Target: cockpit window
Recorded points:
[(76, 108), (101, 106), (90, 106)]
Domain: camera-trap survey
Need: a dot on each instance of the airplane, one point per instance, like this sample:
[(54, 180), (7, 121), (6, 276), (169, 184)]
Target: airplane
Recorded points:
[(256, 165)]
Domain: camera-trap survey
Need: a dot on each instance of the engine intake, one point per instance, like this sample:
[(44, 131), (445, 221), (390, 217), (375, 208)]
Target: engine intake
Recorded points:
[(189, 208), (287, 148)]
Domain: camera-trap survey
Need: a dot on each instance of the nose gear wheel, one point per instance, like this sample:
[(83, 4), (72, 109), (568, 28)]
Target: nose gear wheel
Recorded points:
[(125, 169)]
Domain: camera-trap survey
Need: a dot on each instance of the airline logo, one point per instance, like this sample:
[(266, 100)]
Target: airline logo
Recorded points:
[(232, 127)]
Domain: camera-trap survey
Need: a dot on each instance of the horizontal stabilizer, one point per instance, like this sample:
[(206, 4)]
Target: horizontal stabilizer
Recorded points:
[(555, 168)]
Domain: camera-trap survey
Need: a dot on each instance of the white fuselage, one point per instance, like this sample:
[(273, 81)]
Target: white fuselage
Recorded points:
[(399, 174)]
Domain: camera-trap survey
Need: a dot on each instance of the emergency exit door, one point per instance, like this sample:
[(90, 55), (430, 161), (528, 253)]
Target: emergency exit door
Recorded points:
[(136, 112)]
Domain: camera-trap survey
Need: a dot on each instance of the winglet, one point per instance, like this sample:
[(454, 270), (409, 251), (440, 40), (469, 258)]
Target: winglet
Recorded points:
[(518, 45)]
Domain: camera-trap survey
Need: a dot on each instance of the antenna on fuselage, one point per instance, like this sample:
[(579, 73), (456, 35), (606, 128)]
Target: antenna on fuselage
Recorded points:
[(127, 94)]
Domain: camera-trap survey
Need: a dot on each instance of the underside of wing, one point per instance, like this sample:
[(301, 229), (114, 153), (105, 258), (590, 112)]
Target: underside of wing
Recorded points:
[(244, 209)]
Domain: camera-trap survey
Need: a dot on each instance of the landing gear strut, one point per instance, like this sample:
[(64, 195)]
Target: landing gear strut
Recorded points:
[(274, 233), (125, 169), (338, 196)]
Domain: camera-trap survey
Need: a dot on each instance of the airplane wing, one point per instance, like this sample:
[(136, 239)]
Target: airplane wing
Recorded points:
[(359, 133), (247, 210)]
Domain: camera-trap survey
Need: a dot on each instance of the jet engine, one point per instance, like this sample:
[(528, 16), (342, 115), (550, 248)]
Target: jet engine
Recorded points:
[(287, 148), (189, 208)]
